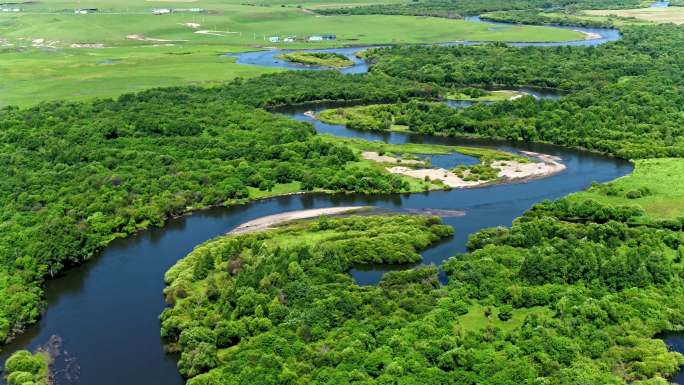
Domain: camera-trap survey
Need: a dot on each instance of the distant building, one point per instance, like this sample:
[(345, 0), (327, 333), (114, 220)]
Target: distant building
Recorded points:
[(85, 11), (322, 37), (289, 39), (161, 11), (188, 10), (273, 39)]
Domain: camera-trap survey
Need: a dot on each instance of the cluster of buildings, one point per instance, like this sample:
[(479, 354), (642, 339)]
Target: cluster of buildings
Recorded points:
[(167, 11), (84, 11), (156, 11), (10, 7), (292, 39)]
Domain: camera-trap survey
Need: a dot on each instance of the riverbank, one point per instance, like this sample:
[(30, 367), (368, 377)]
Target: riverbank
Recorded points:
[(508, 171), (320, 59), (271, 221)]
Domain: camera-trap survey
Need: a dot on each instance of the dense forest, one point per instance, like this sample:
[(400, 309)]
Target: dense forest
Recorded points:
[(627, 98), (77, 175), (571, 294), (550, 18)]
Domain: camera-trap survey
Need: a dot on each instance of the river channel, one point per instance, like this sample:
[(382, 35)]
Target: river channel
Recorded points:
[(105, 311), (269, 58)]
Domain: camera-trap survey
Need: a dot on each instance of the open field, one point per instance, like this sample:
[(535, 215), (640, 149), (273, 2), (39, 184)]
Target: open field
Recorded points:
[(49, 52), (331, 60), (657, 15), (476, 319), (656, 185), (36, 75), (490, 96)]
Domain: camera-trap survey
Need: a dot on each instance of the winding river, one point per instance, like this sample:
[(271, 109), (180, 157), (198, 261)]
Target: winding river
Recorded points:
[(269, 58), (105, 311)]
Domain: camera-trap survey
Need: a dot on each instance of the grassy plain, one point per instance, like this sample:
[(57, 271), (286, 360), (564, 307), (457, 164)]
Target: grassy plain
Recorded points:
[(661, 182), (656, 15), (475, 319), (331, 60), (48, 52), (492, 96)]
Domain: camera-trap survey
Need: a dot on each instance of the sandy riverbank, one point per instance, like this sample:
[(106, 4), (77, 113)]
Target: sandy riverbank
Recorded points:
[(376, 157), (509, 171), (271, 221), (590, 35)]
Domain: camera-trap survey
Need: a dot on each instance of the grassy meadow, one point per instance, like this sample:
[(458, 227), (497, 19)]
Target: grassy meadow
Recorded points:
[(49, 52), (490, 96), (673, 15), (656, 185)]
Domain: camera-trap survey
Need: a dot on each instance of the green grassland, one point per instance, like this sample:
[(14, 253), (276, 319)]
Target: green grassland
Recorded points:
[(491, 96), (476, 319), (656, 185), (278, 189), (331, 60), (48, 52), (381, 147), (655, 15), (482, 153), (36, 75)]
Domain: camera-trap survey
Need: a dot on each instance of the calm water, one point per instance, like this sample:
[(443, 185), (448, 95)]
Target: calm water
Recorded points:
[(105, 311), (675, 340), (660, 4)]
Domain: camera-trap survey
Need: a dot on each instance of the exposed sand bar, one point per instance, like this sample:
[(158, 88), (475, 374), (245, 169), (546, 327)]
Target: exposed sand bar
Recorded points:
[(270, 221), (590, 35), (509, 171)]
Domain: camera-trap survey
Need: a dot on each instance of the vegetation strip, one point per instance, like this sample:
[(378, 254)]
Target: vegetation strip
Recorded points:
[(333, 60), (270, 221)]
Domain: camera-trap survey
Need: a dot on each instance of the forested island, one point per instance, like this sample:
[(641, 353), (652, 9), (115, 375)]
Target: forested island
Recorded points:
[(576, 291)]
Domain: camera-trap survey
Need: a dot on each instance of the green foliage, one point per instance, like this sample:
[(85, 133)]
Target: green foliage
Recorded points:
[(570, 294), (24, 368), (505, 313), (451, 9), (537, 17), (297, 87), (78, 175), (291, 290), (334, 60)]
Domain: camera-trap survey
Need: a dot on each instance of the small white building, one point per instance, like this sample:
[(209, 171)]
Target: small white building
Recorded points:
[(273, 39), (315, 38), (289, 39), (161, 11), (85, 11)]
